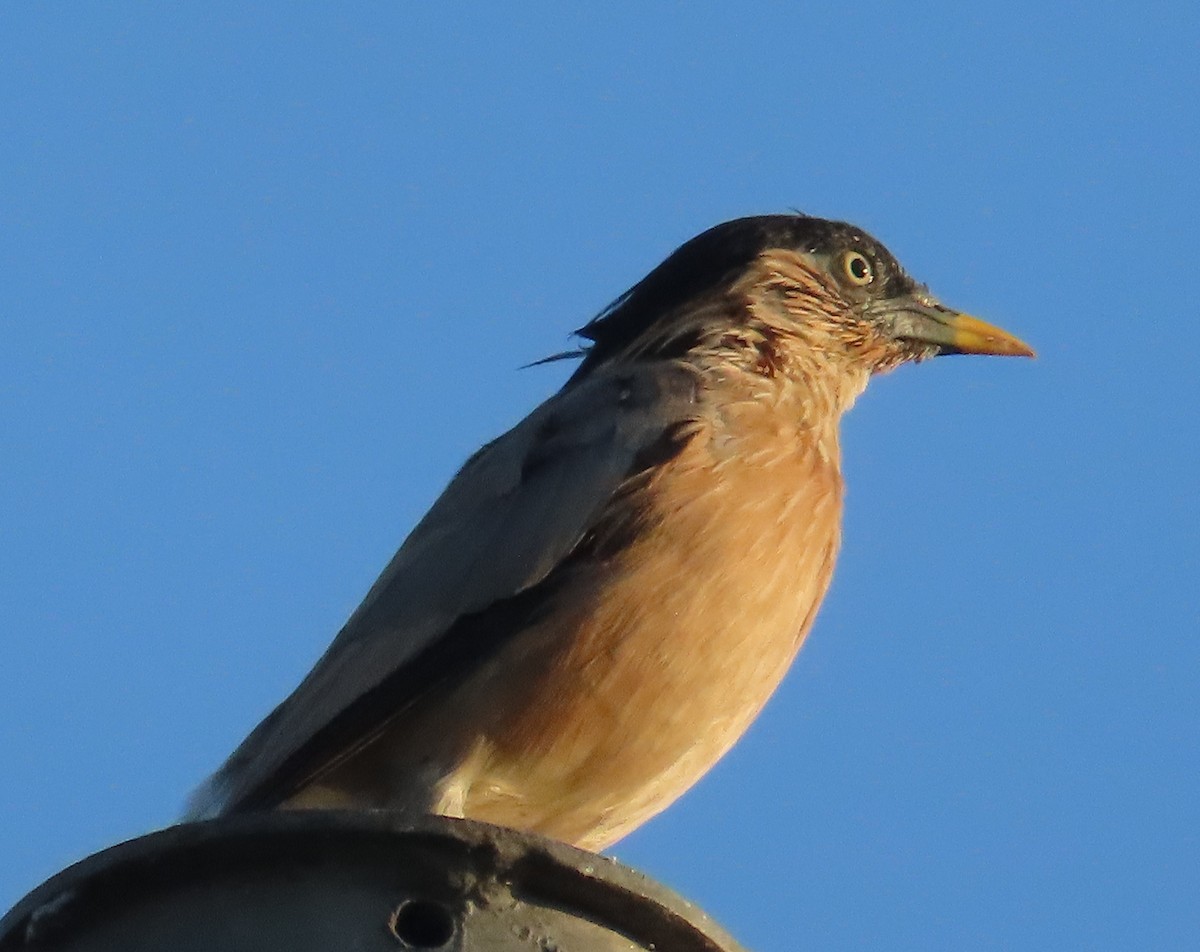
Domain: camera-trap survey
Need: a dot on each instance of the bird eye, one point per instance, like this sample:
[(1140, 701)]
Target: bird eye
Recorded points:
[(857, 268)]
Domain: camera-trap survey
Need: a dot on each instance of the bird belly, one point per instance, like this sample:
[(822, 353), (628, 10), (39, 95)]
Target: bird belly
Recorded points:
[(651, 666)]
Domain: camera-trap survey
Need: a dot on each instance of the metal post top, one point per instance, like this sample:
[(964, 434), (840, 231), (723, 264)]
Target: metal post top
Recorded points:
[(332, 880)]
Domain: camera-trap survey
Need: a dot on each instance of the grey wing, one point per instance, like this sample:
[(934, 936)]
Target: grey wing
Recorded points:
[(515, 511)]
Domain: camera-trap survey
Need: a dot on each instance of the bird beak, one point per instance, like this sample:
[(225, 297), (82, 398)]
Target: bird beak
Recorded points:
[(928, 322)]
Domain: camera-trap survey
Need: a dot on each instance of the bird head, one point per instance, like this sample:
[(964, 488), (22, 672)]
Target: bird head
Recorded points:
[(778, 289)]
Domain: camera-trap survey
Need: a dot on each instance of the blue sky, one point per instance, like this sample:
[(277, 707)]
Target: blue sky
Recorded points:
[(267, 275)]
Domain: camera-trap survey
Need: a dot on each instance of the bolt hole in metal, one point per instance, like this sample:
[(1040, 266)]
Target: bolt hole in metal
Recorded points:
[(422, 924)]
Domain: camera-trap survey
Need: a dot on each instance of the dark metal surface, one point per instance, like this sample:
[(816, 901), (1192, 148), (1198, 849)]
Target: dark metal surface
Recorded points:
[(352, 882)]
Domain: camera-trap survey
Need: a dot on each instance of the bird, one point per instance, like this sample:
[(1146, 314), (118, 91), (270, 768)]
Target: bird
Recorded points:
[(604, 597)]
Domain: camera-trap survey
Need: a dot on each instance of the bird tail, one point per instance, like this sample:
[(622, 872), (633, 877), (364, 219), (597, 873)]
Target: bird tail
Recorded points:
[(207, 801)]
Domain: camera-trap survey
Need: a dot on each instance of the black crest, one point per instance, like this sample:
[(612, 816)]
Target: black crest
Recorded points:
[(700, 265)]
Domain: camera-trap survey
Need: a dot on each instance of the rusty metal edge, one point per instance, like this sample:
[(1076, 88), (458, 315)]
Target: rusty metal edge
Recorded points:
[(539, 870)]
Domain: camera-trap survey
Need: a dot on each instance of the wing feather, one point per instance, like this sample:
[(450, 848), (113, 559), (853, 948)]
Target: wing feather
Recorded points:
[(513, 513)]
